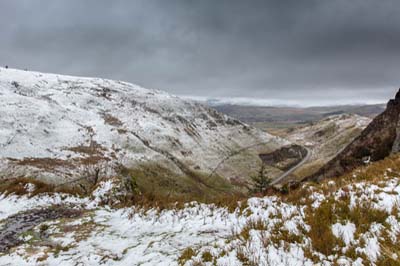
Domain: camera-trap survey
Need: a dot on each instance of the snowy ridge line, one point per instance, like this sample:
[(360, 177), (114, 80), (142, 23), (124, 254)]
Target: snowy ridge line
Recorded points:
[(127, 123)]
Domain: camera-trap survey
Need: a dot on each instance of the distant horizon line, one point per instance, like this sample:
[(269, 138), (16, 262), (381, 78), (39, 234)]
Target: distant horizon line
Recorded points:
[(246, 101)]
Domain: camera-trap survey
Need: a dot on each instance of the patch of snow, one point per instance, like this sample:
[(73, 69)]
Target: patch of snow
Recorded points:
[(30, 187), (13, 204), (345, 232)]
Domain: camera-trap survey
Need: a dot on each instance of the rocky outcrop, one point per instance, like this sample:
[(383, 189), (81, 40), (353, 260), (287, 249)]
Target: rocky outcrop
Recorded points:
[(378, 140), (285, 157)]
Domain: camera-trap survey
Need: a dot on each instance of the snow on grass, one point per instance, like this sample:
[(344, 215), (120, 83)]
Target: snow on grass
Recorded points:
[(345, 232), (261, 231), (133, 237), (12, 204), (353, 244)]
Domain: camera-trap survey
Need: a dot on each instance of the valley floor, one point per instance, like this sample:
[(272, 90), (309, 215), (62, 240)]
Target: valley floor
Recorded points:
[(351, 221)]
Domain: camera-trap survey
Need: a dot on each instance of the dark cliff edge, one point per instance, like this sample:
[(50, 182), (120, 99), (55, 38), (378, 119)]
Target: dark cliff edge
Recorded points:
[(378, 140)]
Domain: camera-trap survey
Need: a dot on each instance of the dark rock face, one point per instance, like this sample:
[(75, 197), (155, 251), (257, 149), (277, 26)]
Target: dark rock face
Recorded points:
[(285, 157), (378, 140)]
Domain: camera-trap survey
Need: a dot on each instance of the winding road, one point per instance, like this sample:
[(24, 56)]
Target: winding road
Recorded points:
[(276, 180), (291, 170)]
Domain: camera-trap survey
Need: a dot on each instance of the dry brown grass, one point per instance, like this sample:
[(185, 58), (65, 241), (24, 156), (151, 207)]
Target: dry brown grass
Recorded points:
[(122, 131), (92, 160), (206, 256), (44, 163), (390, 254), (186, 255), (363, 215), (18, 186), (251, 225), (112, 120), (161, 202), (50, 164), (242, 257), (280, 235), (161, 188), (373, 173), (91, 149), (332, 211), (320, 221)]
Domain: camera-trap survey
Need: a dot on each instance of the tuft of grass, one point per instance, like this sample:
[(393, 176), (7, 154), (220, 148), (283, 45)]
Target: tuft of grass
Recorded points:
[(252, 225), (186, 255), (242, 257), (60, 248), (112, 120), (390, 253), (364, 215), (285, 236), (207, 256), (320, 221)]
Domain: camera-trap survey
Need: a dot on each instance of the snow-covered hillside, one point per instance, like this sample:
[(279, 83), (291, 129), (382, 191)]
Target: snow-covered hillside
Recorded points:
[(328, 130), (54, 126)]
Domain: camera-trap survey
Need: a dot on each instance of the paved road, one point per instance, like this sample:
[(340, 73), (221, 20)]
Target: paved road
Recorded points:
[(291, 170)]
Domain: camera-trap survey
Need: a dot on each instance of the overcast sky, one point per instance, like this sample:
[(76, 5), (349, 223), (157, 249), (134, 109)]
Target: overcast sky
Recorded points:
[(309, 52)]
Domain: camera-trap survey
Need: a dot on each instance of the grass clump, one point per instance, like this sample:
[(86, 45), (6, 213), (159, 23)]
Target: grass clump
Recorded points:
[(252, 225), (242, 257), (186, 255), (320, 221), (364, 215), (207, 256)]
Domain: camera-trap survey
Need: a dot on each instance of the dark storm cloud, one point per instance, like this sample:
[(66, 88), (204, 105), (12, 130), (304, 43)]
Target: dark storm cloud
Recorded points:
[(311, 51)]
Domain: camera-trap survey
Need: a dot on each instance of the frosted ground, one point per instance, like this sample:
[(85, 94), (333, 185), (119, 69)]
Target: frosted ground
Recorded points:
[(131, 236)]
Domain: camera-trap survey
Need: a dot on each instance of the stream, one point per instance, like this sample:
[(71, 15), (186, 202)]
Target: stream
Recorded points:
[(13, 226)]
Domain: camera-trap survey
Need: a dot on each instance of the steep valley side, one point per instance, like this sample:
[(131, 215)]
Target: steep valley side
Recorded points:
[(61, 129)]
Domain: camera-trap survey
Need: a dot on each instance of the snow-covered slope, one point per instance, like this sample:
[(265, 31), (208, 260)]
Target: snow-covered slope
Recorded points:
[(55, 127), (356, 222), (326, 138), (329, 129)]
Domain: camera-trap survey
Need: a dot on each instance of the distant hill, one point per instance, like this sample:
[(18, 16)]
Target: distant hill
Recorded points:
[(294, 115)]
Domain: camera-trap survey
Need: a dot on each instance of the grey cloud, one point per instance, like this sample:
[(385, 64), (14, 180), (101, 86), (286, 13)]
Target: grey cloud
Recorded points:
[(287, 50)]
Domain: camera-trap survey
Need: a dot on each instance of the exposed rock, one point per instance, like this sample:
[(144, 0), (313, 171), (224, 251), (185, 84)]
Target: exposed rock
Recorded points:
[(285, 157)]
